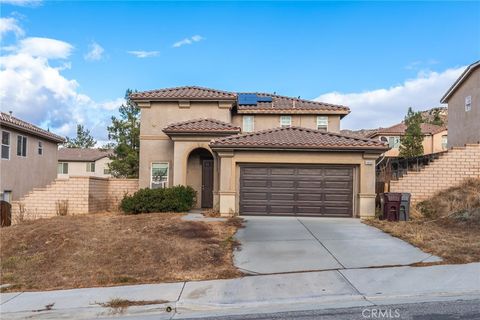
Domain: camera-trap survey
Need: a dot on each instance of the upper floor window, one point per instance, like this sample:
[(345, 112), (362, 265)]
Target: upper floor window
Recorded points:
[(159, 175), (21, 146), (62, 168), (40, 147), (90, 166), (444, 141), (248, 124), (285, 121), (5, 145), (322, 123), (468, 103)]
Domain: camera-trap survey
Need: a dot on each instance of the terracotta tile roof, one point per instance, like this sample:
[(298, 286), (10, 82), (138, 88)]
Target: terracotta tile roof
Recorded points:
[(10, 121), (188, 92), (282, 104), (211, 126), (82, 154), (427, 129), (298, 138)]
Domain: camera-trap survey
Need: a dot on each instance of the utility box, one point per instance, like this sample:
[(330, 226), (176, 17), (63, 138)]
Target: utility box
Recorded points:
[(404, 214)]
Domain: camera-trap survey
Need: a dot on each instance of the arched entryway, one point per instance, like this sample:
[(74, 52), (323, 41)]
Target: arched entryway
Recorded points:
[(200, 176)]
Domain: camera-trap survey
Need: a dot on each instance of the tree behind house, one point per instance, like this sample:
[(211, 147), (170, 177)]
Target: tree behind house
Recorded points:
[(125, 133), (411, 143), (82, 140)]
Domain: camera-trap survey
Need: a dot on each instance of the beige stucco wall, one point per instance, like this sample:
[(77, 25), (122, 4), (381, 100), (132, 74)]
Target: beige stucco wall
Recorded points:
[(21, 174), (364, 194), (464, 127), (268, 121), (156, 146), (78, 168)]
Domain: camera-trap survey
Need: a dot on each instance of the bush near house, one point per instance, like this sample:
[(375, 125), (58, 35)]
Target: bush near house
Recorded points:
[(173, 199)]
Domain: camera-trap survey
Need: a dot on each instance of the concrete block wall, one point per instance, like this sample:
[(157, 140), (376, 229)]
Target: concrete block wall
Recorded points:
[(82, 195), (449, 170)]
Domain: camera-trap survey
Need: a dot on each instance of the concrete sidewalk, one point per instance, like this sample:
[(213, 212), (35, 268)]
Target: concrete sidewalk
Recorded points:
[(266, 293)]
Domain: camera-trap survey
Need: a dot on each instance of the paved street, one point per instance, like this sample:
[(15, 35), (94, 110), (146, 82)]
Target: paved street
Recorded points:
[(450, 310), (292, 244)]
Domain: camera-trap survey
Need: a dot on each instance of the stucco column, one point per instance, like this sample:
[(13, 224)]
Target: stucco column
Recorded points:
[(179, 169), (366, 195), (226, 191)]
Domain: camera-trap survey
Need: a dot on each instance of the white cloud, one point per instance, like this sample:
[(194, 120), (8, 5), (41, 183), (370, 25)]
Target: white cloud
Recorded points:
[(144, 54), (23, 3), (39, 93), (385, 107), (10, 25), (195, 38), (95, 52), (45, 47)]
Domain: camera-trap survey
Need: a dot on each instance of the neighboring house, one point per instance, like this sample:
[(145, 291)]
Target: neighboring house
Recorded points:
[(28, 157), (463, 100), (256, 153), (83, 162), (434, 138)]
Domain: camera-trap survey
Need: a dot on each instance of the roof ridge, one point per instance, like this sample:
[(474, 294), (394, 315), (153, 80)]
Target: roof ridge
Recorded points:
[(198, 120), (186, 87), (294, 98)]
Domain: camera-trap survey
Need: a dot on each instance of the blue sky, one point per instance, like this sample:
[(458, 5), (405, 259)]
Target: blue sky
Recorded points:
[(376, 57)]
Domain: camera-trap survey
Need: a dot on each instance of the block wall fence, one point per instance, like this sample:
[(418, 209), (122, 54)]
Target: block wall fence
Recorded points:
[(75, 195), (449, 170)]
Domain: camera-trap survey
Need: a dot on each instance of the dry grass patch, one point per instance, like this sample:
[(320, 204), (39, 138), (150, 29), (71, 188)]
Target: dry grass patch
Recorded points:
[(446, 225), (111, 249)]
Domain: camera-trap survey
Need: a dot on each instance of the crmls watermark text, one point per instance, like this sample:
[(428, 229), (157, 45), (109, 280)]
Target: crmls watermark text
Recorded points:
[(374, 313)]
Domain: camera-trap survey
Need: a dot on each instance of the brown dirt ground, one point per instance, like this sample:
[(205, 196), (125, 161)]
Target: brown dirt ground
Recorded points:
[(454, 242), (114, 249)]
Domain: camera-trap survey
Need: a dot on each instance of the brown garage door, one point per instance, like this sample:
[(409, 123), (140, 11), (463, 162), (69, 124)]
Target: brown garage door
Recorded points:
[(310, 190)]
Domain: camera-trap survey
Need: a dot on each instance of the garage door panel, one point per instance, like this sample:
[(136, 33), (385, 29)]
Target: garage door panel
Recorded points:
[(312, 190), (310, 184)]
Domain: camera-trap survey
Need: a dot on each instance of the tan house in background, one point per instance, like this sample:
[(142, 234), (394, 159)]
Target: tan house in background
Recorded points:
[(256, 153), (83, 162), (434, 138), (463, 100), (28, 157)]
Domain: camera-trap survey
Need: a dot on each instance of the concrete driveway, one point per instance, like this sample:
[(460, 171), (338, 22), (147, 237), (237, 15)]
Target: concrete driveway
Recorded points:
[(290, 244)]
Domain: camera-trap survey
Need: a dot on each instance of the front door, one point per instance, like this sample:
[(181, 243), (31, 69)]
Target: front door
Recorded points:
[(207, 183)]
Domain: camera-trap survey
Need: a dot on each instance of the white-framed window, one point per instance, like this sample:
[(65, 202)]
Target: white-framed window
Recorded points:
[(5, 145), (159, 175), (393, 142), (468, 103), (106, 171), (40, 147), (322, 123), (248, 124), (444, 141), (62, 168), (285, 121), (21, 146), (90, 166)]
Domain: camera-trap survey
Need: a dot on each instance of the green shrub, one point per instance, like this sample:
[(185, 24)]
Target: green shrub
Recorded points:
[(174, 199)]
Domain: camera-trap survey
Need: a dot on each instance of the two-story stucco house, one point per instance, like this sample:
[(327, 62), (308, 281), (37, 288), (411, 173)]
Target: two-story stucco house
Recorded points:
[(83, 162), (463, 100), (256, 153), (434, 138), (28, 157)]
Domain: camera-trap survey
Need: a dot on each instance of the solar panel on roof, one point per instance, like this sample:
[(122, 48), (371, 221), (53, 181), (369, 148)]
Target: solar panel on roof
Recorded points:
[(247, 99), (264, 99)]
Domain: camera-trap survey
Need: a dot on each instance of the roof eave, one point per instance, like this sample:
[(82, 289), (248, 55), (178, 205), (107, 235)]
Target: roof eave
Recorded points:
[(33, 132), (459, 81), (207, 133), (342, 113), (308, 149)]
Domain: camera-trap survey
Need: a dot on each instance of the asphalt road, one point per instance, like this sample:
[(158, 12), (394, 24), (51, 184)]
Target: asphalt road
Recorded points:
[(451, 310)]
